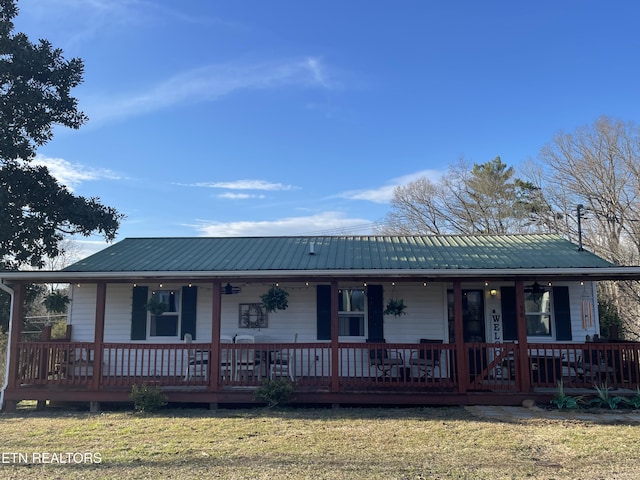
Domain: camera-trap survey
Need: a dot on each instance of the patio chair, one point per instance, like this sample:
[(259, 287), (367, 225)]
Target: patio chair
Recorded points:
[(80, 363), (282, 363), (596, 369), (384, 360), (425, 360), (198, 361), (245, 358), (226, 357)]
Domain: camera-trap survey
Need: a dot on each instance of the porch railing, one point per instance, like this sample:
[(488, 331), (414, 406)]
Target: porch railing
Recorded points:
[(615, 365), (487, 367), (493, 367), (55, 362)]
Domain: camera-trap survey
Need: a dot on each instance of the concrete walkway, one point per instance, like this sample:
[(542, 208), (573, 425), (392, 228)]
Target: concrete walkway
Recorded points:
[(521, 413)]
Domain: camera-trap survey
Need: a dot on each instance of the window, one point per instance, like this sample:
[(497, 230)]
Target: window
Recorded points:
[(537, 305), (351, 312), (165, 324)]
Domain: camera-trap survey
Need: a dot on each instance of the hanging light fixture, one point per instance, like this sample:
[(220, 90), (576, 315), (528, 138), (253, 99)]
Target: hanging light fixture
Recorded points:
[(536, 288), (230, 289)]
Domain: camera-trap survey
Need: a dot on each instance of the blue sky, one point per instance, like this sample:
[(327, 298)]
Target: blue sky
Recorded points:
[(291, 118)]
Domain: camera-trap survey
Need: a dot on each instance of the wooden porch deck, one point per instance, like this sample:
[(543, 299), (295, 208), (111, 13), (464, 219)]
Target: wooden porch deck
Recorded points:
[(358, 373)]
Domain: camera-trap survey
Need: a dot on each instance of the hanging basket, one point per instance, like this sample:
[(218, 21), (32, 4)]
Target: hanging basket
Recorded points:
[(156, 307), (395, 307), (275, 299), (56, 302)]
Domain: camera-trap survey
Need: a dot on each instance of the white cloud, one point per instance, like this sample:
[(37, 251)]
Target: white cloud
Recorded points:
[(209, 83), (317, 69), (81, 20), (246, 184), (384, 194), (70, 174), (377, 195), (239, 196), (326, 223)]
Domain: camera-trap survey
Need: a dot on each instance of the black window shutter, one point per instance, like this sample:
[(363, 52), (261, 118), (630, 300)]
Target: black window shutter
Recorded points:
[(562, 313), (139, 313), (189, 301), (323, 305), (375, 315), (509, 315)]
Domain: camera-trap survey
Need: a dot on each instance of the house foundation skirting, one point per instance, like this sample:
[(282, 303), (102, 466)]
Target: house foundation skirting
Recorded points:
[(244, 396)]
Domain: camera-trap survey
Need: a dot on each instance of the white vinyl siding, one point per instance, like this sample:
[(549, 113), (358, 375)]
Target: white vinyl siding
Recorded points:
[(425, 318), (426, 313)]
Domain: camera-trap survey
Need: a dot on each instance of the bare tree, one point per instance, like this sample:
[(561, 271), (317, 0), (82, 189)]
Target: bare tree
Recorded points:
[(480, 199), (598, 166), (415, 209)]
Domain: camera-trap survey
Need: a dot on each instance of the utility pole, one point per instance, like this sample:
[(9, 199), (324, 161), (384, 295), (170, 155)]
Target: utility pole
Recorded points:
[(579, 208)]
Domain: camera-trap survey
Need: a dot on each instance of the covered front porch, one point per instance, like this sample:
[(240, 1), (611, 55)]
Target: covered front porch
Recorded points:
[(350, 373)]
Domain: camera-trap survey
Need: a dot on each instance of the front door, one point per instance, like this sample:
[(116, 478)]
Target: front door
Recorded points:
[(473, 325), (473, 328)]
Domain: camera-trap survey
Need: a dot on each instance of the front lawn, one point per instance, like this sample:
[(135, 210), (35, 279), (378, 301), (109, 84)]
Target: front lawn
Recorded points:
[(347, 443)]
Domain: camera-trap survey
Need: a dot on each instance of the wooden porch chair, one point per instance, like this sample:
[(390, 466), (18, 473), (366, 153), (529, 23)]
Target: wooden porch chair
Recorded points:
[(385, 361), (424, 361)]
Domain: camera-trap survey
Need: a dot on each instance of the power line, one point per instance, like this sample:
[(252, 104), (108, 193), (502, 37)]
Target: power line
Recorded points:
[(343, 229)]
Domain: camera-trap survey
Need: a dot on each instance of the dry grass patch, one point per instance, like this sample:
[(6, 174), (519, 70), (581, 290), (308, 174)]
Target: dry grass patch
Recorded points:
[(441, 443)]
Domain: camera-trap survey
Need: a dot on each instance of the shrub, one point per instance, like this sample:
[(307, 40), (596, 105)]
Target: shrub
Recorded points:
[(274, 392), (605, 399), (564, 401), (147, 399), (635, 400), (59, 329)]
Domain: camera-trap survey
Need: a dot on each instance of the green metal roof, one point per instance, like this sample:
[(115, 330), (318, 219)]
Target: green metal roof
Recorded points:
[(375, 253)]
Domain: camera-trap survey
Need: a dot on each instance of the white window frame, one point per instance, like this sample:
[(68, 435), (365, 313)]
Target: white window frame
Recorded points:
[(177, 313), (548, 312), (353, 313)]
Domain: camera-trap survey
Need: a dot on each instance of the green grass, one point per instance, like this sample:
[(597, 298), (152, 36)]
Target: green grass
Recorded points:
[(440, 443)]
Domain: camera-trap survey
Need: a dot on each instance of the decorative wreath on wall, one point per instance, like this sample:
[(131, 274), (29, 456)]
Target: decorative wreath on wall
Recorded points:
[(253, 315)]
